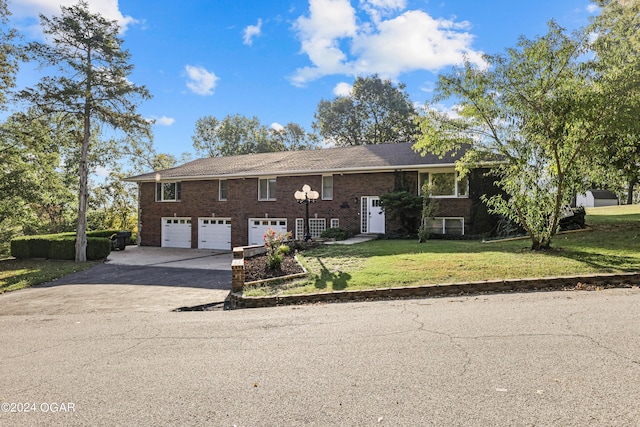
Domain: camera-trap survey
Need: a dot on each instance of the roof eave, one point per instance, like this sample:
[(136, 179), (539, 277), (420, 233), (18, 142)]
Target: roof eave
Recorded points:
[(390, 168)]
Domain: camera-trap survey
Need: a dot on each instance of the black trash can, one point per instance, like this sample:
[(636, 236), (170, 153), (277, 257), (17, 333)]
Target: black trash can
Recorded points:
[(120, 240)]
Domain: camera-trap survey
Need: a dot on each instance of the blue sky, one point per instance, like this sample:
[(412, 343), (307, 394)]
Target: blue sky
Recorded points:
[(277, 59)]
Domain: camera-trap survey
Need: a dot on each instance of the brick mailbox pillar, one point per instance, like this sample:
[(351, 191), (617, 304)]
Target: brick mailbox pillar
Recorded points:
[(237, 270)]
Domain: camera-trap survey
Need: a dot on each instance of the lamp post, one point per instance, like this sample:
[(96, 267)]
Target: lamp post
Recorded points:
[(306, 196)]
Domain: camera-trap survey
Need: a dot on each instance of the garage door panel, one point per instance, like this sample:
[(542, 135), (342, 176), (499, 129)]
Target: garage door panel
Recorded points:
[(259, 226), (214, 233), (176, 232)]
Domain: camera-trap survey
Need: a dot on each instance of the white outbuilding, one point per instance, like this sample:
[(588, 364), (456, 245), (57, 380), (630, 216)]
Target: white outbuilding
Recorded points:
[(596, 198)]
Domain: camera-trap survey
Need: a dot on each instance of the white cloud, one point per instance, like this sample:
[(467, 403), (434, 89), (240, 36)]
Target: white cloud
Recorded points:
[(33, 8), (277, 126), (251, 32), (343, 89), (163, 121), (328, 22), (593, 8), (101, 171), (338, 41), (200, 81), (380, 8)]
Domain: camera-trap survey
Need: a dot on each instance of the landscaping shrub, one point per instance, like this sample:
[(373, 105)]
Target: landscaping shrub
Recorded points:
[(102, 233), (274, 242), (98, 248), (336, 233), (58, 246)]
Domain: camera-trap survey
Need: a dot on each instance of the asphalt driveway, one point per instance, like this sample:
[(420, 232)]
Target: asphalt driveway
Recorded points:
[(136, 279)]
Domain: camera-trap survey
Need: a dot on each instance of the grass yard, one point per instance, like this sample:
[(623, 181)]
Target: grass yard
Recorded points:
[(17, 274), (612, 246)]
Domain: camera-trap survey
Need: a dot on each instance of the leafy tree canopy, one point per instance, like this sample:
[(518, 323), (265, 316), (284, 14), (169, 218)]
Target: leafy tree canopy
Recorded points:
[(237, 134), (376, 112), (537, 107), (91, 86)]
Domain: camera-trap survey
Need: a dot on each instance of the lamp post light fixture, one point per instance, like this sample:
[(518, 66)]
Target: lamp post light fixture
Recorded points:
[(307, 196)]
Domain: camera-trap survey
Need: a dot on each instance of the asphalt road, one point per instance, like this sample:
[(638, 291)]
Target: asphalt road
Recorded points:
[(534, 359)]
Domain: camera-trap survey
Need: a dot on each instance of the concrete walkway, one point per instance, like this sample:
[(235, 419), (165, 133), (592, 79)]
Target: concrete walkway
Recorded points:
[(136, 279)]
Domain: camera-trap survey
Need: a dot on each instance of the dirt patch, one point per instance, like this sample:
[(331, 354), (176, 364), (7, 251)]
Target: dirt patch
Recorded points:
[(255, 268)]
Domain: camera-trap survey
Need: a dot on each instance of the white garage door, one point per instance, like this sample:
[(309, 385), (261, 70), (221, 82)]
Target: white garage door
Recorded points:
[(176, 232), (214, 233), (259, 226)]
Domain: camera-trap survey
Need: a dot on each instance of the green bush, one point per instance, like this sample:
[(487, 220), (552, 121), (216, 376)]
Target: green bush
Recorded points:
[(102, 233), (336, 233), (98, 248), (58, 246), (274, 261), (284, 249)]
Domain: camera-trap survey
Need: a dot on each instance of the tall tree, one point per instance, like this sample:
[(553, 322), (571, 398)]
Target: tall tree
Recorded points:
[(534, 107), (92, 86), (616, 66), (375, 112), (293, 137), (237, 134), (35, 189), (9, 54)]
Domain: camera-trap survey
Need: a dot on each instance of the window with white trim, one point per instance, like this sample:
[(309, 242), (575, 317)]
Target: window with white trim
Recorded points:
[(223, 189), (335, 223), (299, 228), (267, 189), (327, 187), (317, 226), (446, 225), (168, 191), (444, 184)]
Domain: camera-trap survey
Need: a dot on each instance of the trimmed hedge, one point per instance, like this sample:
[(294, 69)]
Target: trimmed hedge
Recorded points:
[(60, 246)]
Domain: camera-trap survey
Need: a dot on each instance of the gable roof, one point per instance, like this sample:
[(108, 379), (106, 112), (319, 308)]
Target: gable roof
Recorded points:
[(603, 194), (379, 157)]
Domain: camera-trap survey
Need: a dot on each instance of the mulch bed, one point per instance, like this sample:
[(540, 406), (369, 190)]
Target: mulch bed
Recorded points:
[(255, 268)]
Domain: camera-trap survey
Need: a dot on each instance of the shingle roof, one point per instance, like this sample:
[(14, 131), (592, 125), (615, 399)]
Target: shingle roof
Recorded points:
[(343, 159), (603, 194)]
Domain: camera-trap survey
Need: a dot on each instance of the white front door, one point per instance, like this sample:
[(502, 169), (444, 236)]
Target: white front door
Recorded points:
[(259, 226), (176, 232), (372, 211), (214, 233)]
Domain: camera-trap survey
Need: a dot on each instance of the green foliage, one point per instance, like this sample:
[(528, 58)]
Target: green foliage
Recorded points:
[(35, 194), (405, 207), (615, 65), (60, 246), (376, 112), (10, 53), (274, 242), (536, 109), (274, 260), (336, 233), (236, 134), (284, 249), (429, 209), (92, 87)]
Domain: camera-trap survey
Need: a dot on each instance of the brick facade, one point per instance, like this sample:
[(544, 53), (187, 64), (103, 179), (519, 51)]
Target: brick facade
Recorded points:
[(200, 199)]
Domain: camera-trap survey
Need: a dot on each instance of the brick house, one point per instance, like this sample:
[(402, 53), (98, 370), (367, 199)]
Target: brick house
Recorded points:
[(221, 202)]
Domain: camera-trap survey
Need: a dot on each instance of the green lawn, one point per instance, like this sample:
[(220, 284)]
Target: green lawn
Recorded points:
[(17, 274), (612, 246)]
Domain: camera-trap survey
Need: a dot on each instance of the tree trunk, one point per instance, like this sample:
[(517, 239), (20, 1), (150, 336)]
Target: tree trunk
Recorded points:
[(81, 229), (632, 184)]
